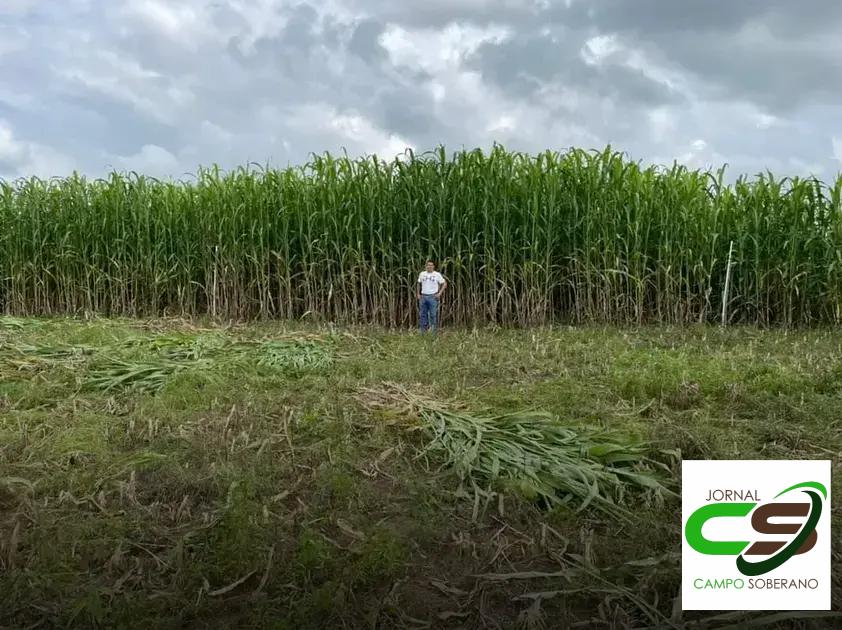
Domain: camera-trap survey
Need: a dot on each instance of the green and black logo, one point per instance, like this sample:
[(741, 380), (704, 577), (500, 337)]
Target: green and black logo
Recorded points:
[(802, 537)]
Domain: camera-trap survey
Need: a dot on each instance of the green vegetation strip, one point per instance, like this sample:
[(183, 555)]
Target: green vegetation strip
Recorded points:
[(521, 238)]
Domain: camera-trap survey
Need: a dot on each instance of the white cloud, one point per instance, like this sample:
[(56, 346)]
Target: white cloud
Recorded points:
[(670, 78), (185, 24), (215, 132), (504, 123), (438, 91), (764, 121), (437, 51), (10, 149), (476, 112), (662, 122), (168, 18), (20, 158), (608, 49), (598, 48), (160, 97), (334, 130), (836, 143), (149, 160)]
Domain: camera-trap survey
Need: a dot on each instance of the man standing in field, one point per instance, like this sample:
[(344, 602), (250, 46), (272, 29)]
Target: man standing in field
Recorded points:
[(431, 284)]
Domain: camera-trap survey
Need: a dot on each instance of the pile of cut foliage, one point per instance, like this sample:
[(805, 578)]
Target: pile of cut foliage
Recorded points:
[(146, 365), (531, 453)]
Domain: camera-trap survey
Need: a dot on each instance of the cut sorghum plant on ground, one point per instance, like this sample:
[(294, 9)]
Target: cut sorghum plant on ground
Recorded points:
[(530, 453), (294, 356), (147, 364)]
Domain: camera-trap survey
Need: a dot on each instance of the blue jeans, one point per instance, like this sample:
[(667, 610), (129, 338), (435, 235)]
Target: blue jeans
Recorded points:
[(428, 313)]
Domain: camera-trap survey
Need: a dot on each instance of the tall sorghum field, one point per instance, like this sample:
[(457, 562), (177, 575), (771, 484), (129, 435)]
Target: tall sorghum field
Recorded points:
[(574, 236)]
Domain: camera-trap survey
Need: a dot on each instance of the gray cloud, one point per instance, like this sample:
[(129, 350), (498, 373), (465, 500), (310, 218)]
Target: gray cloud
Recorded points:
[(440, 13), (529, 62), (775, 53), (162, 87), (365, 41)]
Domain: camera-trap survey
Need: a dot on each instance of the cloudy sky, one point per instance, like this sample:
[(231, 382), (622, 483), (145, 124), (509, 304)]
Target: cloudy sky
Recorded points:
[(161, 86)]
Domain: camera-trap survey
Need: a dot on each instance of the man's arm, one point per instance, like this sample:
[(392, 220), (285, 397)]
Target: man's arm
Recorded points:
[(442, 287), (418, 289)]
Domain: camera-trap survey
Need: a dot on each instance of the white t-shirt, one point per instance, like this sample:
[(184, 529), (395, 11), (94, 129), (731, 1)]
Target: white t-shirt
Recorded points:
[(430, 282)]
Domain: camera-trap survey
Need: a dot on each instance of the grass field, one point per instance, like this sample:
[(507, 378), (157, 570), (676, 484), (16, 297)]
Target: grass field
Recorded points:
[(176, 474)]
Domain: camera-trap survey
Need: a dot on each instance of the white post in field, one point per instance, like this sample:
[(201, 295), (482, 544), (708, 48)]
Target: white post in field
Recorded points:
[(727, 290)]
